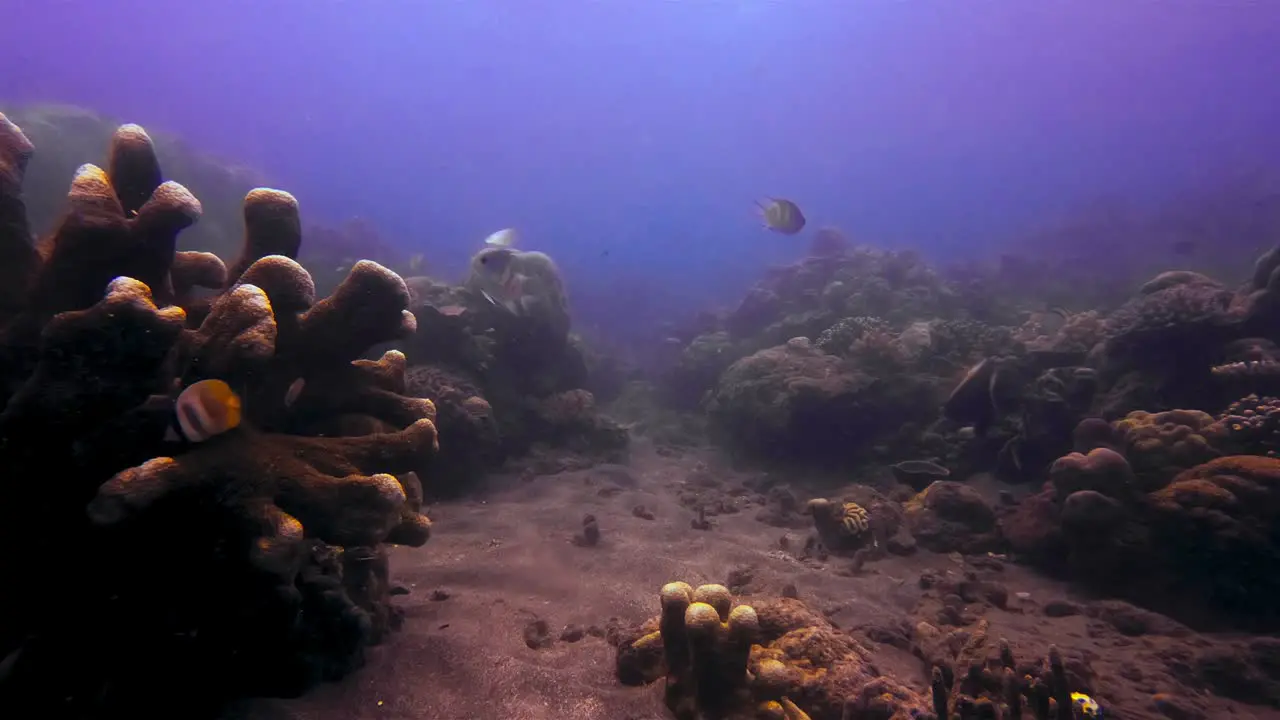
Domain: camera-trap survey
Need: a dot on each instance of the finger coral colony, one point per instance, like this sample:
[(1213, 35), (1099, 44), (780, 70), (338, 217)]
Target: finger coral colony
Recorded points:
[(253, 562), (205, 467)]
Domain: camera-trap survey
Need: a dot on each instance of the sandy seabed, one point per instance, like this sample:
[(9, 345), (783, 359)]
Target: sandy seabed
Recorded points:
[(500, 564)]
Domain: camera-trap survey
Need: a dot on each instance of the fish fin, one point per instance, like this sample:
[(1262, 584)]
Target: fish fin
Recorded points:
[(171, 435), (505, 305)]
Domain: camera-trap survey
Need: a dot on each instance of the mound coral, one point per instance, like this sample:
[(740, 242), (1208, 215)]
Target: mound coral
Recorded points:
[(796, 403), (1161, 345), (1195, 541), (1219, 520), (949, 516), (251, 563), (1159, 445), (697, 368), (513, 378)]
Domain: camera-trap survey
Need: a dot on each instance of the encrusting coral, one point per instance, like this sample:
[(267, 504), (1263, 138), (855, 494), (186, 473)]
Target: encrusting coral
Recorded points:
[(251, 563)]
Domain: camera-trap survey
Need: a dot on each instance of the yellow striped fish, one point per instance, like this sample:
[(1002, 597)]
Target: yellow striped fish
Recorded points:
[(781, 215), (203, 410)]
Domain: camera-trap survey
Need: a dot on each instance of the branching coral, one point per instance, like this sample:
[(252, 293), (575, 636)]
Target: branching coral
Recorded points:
[(1249, 426), (839, 338), (996, 684), (249, 563)]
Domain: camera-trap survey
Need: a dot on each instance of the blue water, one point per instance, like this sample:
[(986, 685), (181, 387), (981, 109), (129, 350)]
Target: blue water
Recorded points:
[(629, 138)]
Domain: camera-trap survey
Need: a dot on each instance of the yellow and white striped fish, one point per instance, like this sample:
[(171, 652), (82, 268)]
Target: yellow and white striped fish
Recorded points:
[(781, 215), (203, 410)]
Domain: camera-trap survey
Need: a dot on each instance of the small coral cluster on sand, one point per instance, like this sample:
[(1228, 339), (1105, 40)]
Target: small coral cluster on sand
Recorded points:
[(144, 575), (777, 660)]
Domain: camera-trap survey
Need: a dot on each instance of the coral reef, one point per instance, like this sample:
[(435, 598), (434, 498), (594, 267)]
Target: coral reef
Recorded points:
[(510, 381), (1163, 520), (251, 563), (856, 359)]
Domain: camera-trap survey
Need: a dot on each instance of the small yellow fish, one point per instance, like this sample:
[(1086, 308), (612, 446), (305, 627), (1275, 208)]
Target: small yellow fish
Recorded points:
[(506, 237), (781, 215), (1085, 706), (203, 410)]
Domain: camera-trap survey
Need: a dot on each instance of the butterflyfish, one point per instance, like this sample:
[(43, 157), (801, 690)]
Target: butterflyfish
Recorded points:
[(506, 237), (781, 216), (203, 410)]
